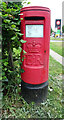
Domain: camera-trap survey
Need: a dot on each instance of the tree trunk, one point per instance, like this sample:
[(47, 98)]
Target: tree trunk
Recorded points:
[(10, 57)]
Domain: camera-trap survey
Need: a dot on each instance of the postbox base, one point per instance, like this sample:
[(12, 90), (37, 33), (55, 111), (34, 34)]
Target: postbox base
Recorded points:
[(34, 93)]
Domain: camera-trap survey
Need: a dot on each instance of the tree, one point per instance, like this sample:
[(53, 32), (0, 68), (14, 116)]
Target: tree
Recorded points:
[(11, 41)]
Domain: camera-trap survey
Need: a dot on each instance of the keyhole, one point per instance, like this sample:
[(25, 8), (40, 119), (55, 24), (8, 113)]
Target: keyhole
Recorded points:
[(44, 51)]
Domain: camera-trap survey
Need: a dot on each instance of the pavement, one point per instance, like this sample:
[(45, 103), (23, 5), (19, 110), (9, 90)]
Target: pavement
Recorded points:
[(57, 57), (56, 40)]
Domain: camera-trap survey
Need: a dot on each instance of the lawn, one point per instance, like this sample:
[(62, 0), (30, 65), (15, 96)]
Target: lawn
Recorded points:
[(57, 47), (15, 106)]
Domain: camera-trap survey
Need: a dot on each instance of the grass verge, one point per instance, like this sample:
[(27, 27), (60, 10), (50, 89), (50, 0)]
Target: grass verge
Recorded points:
[(57, 47), (14, 106)]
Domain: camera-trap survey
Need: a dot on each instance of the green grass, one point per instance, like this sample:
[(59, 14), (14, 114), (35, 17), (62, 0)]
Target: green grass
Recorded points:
[(63, 38), (55, 68), (16, 106), (57, 47)]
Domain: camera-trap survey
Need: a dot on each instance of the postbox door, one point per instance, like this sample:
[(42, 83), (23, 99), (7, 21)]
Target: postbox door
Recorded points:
[(34, 59)]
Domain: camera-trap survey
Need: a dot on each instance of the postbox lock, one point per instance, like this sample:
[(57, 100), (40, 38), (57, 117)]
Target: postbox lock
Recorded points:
[(44, 51)]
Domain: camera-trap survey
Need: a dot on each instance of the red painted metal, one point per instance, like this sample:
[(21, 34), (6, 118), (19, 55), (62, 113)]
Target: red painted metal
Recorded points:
[(36, 62)]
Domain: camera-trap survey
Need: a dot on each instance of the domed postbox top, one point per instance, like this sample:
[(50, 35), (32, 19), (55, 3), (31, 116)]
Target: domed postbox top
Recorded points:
[(35, 8)]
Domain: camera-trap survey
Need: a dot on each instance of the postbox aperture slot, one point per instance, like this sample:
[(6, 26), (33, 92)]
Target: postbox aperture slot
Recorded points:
[(34, 18), (34, 30)]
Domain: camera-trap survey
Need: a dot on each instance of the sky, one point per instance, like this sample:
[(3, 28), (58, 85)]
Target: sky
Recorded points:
[(54, 5)]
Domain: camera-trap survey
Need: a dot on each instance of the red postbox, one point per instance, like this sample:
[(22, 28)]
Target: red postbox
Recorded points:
[(36, 29)]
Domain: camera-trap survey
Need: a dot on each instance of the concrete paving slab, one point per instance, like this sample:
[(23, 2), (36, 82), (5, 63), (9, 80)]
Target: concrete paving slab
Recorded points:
[(56, 40), (57, 57)]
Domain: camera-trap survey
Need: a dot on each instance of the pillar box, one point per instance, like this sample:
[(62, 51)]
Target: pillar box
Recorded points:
[(35, 28)]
